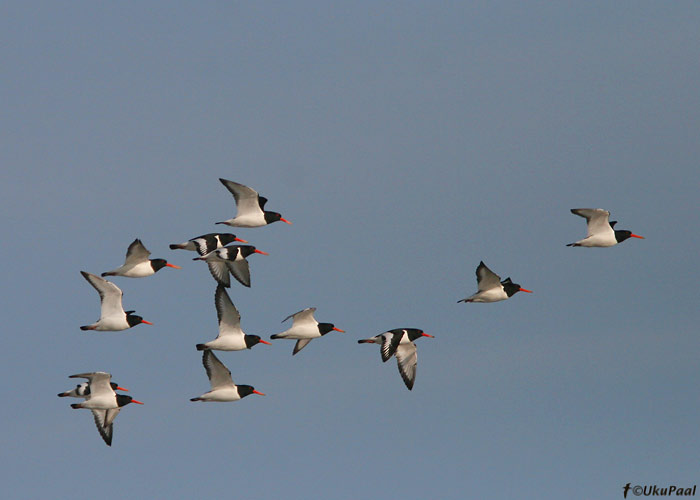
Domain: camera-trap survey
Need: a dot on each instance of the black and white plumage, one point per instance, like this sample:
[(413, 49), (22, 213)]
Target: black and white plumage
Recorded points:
[(250, 207), (207, 242), (231, 336), (137, 264), (230, 259), (222, 387), (113, 318), (83, 390), (400, 342), (491, 288), (104, 403), (601, 232), (305, 328)]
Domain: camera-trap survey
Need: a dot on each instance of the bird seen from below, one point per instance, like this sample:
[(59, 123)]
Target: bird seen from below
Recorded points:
[(250, 207), (601, 232), (104, 403), (305, 328), (137, 264), (113, 318), (231, 337), (222, 387), (491, 288)]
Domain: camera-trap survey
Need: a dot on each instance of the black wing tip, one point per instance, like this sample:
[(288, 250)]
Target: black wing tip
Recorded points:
[(407, 381), (201, 347), (83, 328), (195, 399), (175, 246)]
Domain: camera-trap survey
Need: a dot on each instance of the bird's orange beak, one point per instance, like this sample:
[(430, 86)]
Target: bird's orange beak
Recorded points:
[(260, 251), (147, 322), (338, 330), (428, 335), (122, 389), (172, 265), (265, 342), (285, 220), (523, 290), (257, 392), (137, 402), (241, 240), (637, 236)]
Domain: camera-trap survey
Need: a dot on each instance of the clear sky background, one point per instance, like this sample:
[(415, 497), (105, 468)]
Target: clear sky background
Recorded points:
[(406, 141)]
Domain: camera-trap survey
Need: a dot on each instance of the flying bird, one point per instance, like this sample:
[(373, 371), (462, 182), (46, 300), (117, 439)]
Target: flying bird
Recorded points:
[(491, 288), (137, 264), (222, 386), (400, 342), (207, 242), (83, 390), (113, 318), (104, 403), (305, 328), (251, 207), (231, 258), (601, 232), (231, 337)]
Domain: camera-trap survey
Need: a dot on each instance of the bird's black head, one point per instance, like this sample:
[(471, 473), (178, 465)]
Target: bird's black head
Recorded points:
[(324, 328), (621, 235), (246, 250), (158, 264), (247, 390), (251, 340), (414, 333), (123, 400), (226, 238), (135, 319), (512, 288), (271, 217), (509, 287)]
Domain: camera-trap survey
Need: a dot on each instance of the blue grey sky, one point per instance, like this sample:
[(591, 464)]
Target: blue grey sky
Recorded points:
[(407, 141)]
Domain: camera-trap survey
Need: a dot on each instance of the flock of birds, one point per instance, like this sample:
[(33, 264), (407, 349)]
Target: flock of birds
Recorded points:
[(225, 255)]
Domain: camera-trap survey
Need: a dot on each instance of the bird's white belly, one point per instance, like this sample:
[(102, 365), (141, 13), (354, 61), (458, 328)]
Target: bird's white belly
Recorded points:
[(228, 343), (222, 395), (301, 332), (140, 270), (112, 323), (248, 220), (491, 295), (599, 240), (106, 402)]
